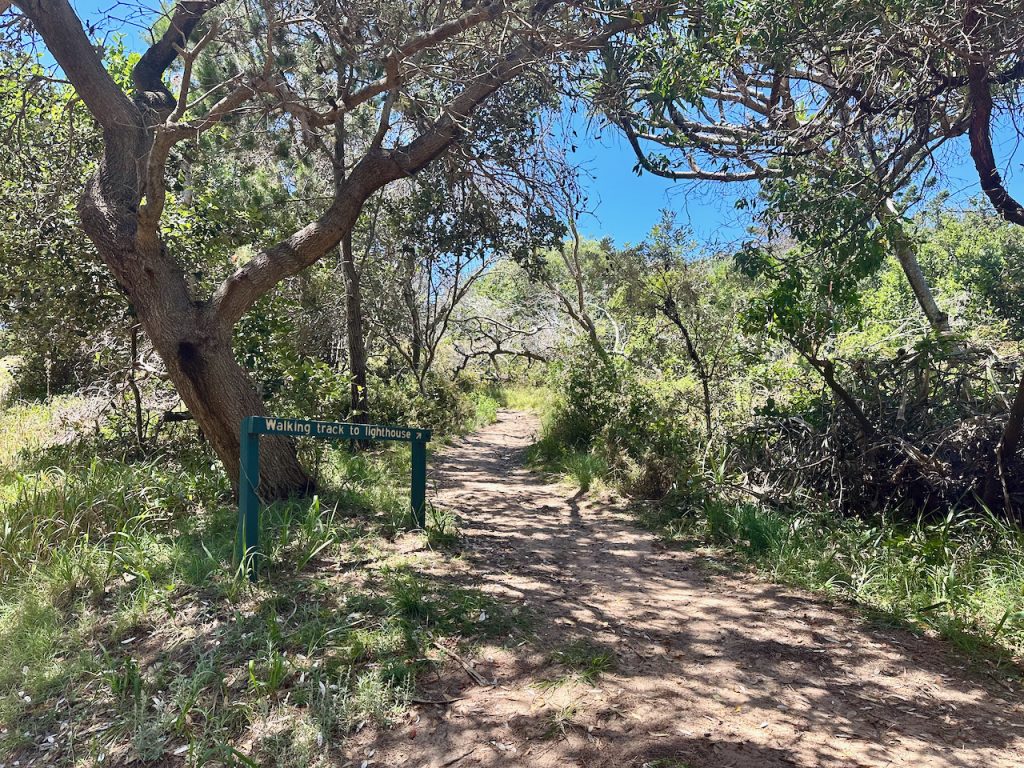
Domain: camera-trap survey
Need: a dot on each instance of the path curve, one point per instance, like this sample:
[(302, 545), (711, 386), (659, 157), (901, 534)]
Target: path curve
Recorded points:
[(711, 668)]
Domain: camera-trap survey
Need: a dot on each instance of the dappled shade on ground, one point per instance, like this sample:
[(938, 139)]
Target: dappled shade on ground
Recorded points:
[(707, 668)]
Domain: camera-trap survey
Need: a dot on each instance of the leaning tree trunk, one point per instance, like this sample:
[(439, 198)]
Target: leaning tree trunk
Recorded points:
[(217, 391), (906, 254), (122, 218), (357, 358)]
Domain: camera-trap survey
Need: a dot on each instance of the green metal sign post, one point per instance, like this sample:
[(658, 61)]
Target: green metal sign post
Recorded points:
[(247, 540)]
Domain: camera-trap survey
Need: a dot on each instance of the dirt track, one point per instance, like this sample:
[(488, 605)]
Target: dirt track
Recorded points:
[(710, 669)]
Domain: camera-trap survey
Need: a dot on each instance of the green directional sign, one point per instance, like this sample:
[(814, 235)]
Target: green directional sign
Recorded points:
[(248, 535)]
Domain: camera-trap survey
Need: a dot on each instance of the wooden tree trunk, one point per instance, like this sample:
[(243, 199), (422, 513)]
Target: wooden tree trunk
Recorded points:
[(906, 254), (357, 357), (219, 394)]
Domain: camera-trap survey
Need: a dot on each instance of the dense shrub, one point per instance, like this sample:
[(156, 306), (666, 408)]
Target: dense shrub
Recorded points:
[(443, 405), (610, 421), (590, 398)]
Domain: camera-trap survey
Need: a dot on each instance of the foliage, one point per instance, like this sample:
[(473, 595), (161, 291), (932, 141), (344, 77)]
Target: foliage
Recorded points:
[(117, 592), (610, 423), (788, 479), (59, 310)]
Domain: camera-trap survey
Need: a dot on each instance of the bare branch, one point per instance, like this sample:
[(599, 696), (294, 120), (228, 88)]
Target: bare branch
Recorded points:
[(188, 58)]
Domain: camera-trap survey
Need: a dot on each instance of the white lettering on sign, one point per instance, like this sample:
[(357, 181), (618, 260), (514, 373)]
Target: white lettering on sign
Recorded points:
[(395, 433), (333, 429), (323, 428), (287, 425)]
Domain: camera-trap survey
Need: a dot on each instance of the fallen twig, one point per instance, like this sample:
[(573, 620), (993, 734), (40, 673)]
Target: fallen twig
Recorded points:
[(454, 760), (438, 702), (474, 675)]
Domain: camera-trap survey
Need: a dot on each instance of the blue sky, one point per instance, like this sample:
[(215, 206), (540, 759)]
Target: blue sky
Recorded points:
[(625, 205)]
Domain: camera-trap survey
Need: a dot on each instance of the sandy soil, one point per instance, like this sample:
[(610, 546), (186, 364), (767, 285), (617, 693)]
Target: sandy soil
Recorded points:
[(710, 668)]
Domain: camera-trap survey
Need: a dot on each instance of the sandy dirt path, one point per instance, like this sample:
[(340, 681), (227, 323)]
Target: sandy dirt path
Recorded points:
[(711, 668)]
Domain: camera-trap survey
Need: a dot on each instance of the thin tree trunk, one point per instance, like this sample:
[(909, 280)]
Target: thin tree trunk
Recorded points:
[(906, 254), (357, 359), (416, 325), (134, 385), (983, 155), (672, 313), (827, 370)]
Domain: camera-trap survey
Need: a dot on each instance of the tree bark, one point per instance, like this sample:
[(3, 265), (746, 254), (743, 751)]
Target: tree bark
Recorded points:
[(906, 254), (214, 387), (134, 385), (219, 394), (357, 358)]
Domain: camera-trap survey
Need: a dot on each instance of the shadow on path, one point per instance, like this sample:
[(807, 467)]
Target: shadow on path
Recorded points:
[(709, 669)]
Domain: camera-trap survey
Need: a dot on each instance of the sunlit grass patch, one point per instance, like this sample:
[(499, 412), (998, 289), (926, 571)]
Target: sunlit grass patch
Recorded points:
[(585, 469), (442, 528), (119, 594), (538, 399)]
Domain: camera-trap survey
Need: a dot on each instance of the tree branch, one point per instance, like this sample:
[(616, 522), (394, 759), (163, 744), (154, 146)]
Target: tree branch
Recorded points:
[(61, 30), (239, 291), (292, 102), (147, 76), (979, 91)]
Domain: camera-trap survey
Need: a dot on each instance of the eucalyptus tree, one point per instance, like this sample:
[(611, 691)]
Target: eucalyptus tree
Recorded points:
[(419, 72)]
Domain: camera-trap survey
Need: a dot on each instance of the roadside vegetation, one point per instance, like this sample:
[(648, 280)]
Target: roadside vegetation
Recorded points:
[(728, 433), (127, 634)]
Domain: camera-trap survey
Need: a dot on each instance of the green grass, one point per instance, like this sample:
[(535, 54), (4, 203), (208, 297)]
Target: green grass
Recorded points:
[(525, 398), (583, 661), (962, 576), (584, 468), (26, 426), (485, 404), (7, 382), (126, 633)]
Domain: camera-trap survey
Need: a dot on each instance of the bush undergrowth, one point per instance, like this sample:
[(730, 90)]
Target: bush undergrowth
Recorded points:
[(118, 593), (961, 575)]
